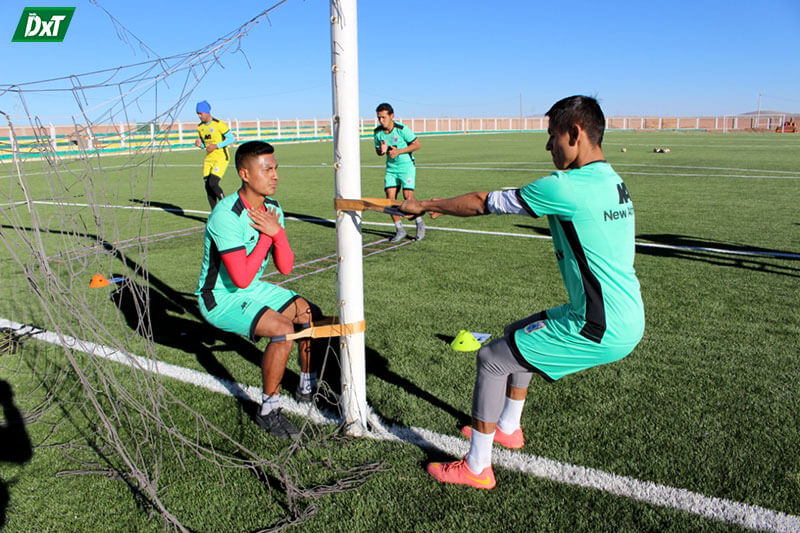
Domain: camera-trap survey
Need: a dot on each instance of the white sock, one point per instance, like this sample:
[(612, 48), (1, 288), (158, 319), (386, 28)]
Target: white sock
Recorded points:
[(511, 415), (480, 451), (308, 381), (398, 225), (420, 223), (268, 403)]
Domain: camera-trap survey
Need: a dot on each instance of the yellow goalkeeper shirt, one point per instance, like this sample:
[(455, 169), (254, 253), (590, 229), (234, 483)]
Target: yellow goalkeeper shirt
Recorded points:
[(213, 132)]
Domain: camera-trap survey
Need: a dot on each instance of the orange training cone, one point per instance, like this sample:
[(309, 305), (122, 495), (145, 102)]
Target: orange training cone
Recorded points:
[(98, 280)]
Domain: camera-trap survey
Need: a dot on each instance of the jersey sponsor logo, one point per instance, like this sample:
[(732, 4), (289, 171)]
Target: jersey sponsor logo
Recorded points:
[(534, 326), (624, 195), (617, 214), (43, 24)]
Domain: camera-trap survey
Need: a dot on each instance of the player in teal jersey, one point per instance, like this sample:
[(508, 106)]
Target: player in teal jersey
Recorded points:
[(397, 142), (591, 219), (243, 231)]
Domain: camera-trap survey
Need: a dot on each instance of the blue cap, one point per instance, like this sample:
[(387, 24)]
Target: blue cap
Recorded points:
[(203, 107)]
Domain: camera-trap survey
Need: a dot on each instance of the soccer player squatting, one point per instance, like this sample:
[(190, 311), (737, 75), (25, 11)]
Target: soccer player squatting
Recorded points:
[(243, 231), (591, 219)]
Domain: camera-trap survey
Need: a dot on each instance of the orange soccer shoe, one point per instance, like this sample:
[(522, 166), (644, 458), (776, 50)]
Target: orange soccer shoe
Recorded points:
[(513, 441), (459, 473)]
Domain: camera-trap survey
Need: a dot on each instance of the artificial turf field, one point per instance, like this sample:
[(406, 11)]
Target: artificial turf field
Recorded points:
[(708, 402)]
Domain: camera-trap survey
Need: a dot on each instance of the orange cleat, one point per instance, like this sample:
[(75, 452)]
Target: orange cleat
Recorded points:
[(513, 441), (459, 473)]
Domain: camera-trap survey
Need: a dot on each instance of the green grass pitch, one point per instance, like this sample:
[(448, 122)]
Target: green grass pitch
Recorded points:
[(708, 401)]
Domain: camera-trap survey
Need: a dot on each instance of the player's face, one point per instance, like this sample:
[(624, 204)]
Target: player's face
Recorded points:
[(563, 148), (261, 174), (204, 117), (386, 119)]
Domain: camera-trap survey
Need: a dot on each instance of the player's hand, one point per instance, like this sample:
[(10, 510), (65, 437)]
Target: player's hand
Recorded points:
[(211, 147), (394, 151), (266, 222), (383, 147), (412, 206), (197, 143)]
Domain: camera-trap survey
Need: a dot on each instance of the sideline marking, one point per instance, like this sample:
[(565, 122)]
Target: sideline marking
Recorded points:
[(719, 509)]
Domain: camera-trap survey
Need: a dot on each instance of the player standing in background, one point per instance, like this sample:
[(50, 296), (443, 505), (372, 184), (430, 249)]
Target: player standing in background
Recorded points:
[(242, 232), (397, 142), (215, 136), (591, 219)]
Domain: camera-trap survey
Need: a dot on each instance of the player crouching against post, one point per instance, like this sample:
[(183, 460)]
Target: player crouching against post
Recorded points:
[(242, 232), (591, 219)]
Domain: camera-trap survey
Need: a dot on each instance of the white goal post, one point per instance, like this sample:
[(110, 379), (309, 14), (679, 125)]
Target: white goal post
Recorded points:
[(347, 167)]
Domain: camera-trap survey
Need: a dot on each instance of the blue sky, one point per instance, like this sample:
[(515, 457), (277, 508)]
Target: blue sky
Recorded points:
[(439, 57)]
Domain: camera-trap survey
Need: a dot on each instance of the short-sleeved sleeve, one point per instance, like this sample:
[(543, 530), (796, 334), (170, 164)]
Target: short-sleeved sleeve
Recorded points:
[(407, 135), (550, 195), (225, 229)]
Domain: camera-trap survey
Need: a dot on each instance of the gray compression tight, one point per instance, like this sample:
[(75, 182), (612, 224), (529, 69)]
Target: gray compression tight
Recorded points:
[(497, 369)]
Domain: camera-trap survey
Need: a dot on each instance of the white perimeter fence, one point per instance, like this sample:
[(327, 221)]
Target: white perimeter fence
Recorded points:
[(65, 139)]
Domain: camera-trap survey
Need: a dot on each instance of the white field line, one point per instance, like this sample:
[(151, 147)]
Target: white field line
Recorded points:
[(544, 167), (720, 509), (623, 172), (129, 207), (549, 165), (126, 243), (750, 253)]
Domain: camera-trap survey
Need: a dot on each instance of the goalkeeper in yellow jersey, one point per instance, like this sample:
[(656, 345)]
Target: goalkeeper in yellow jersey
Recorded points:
[(214, 136)]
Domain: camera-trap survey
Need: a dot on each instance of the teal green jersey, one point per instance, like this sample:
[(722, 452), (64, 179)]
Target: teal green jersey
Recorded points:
[(228, 229), (592, 219), (400, 137)]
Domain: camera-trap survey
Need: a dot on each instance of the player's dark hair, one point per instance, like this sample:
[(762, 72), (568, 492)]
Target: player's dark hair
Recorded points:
[(385, 107), (252, 149), (582, 110)]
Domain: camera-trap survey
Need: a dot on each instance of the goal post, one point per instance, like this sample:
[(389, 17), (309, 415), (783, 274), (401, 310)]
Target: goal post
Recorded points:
[(347, 167)]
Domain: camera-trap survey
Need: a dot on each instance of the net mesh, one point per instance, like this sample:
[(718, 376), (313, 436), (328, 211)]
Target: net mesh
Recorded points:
[(58, 231)]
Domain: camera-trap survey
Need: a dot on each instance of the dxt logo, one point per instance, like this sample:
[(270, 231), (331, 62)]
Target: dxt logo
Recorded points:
[(624, 195), (43, 24)]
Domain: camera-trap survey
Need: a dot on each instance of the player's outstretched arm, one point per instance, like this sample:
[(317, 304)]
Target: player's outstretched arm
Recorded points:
[(467, 205)]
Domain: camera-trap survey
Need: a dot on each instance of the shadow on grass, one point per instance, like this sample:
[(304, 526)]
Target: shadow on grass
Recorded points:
[(169, 208), (189, 335), (378, 366), (536, 229), (15, 445), (690, 248)]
